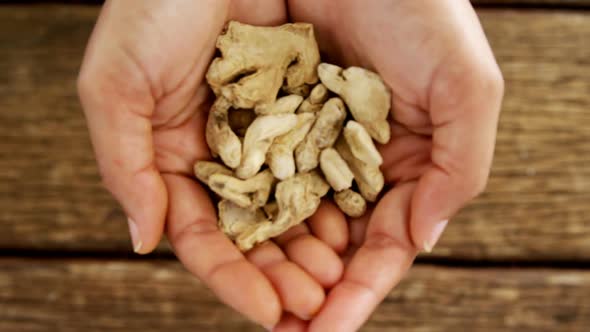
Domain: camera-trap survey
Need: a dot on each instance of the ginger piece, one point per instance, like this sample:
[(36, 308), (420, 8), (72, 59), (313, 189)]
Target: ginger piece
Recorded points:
[(361, 145), (250, 125), (271, 210), (240, 119), (222, 141), (351, 203), (204, 169), (318, 95), (302, 90), (255, 61), (322, 135), (315, 101), (280, 157), (365, 94), (335, 169), (297, 198), (368, 192), (249, 194), (287, 104), (259, 138), (233, 219), (369, 178)]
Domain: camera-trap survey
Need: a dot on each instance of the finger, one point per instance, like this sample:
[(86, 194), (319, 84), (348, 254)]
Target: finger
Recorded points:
[(358, 229), (207, 253), (291, 233), (377, 266), (290, 323), (315, 257), (329, 225), (299, 293), (267, 13), (118, 104), (347, 255)]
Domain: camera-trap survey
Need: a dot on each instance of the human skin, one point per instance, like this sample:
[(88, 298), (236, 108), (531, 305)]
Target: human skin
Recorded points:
[(144, 95)]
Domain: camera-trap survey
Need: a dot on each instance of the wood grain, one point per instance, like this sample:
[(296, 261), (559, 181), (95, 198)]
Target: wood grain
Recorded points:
[(57, 295), (536, 206)]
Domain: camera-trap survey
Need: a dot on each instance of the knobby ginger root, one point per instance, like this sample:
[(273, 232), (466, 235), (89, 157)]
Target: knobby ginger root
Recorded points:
[(361, 145), (234, 220), (258, 139), (322, 135), (368, 177), (250, 193), (335, 169), (283, 138), (221, 139), (364, 93), (256, 61), (351, 203), (315, 101), (280, 157), (297, 199)]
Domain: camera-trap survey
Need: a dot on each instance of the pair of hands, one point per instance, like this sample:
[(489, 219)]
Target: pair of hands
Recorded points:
[(146, 100)]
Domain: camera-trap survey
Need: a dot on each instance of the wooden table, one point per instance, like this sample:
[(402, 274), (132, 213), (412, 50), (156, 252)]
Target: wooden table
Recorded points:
[(518, 258)]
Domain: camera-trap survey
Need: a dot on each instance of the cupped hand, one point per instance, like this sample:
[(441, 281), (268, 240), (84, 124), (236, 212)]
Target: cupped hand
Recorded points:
[(144, 95), (447, 92)]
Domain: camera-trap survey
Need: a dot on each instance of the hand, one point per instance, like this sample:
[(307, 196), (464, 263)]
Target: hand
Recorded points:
[(447, 92), (145, 98)]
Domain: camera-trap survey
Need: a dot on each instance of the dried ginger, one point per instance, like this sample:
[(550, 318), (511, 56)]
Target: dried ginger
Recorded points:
[(285, 139)]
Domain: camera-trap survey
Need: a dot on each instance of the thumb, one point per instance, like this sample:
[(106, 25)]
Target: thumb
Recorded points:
[(465, 122), (122, 140), (118, 105)]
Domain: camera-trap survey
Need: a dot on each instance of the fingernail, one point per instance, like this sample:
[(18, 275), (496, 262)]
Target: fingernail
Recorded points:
[(306, 318), (134, 232), (435, 235), (269, 328)]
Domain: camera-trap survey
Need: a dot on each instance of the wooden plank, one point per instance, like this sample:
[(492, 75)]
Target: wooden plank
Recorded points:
[(78, 295), (50, 192), (535, 207)]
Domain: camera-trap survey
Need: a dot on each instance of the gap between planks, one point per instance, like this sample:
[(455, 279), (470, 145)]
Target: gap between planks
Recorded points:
[(128, 256)]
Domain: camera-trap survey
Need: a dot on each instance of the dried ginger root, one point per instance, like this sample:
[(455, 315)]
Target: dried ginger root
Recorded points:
[(280, 157), (351, 203), (322, 135), (297, 198), (234, 220), (364, 93), (255, 61), (282, 154)]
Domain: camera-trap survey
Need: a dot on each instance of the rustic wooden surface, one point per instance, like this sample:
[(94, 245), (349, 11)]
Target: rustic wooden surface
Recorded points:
[(64, 244), (535, 207), (79, 295)]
